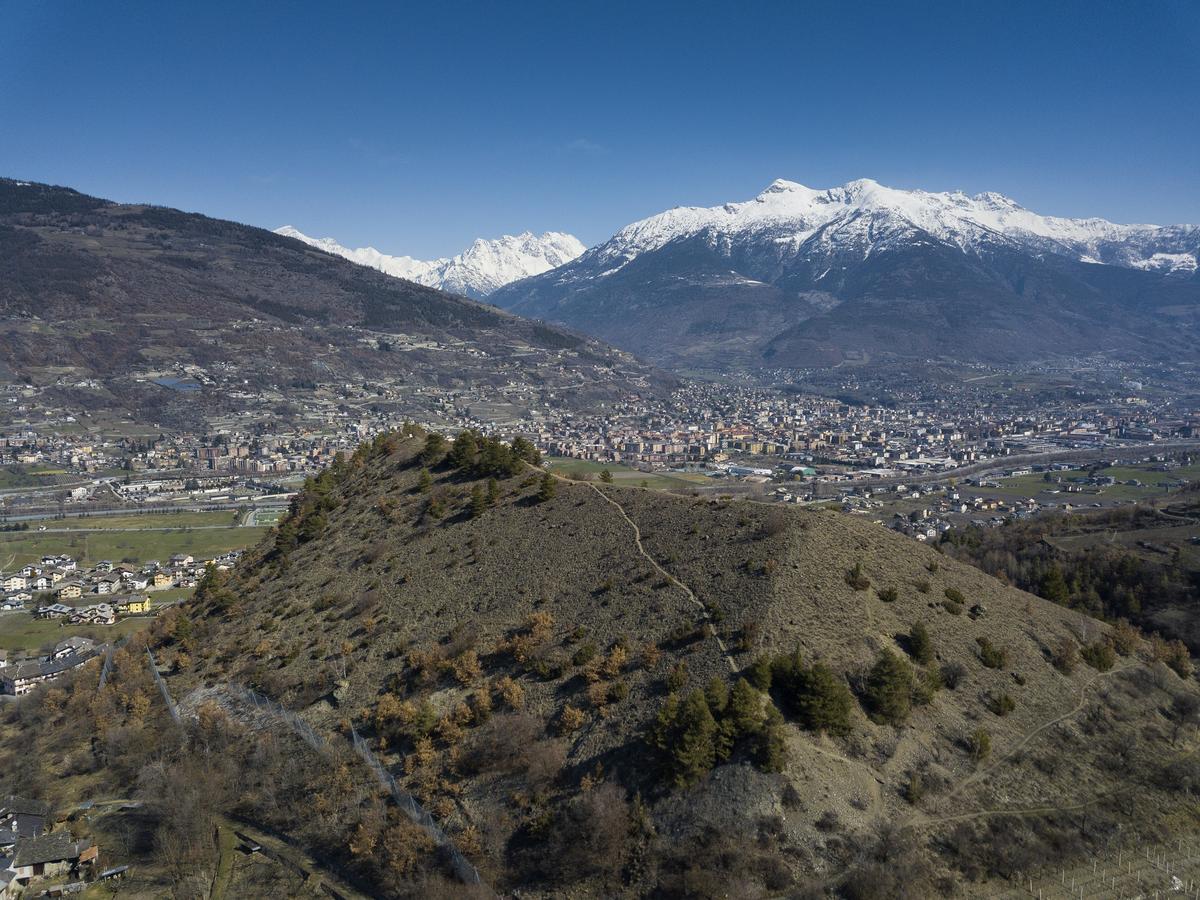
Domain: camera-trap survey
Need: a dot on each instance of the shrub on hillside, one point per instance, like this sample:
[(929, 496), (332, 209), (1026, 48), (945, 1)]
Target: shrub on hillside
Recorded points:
[(857, 579), (889, 595), (953, 674), (979, 745), (775, 523), (1065, 656), (1124, 637), (926, 685), (1100, 656), (990, 655), (1001, 704), (1174, 653)]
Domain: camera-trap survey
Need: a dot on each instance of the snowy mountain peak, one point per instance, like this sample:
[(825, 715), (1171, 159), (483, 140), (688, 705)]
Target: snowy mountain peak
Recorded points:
[(485, 266), (799, 276), (782, 186), (864, 216)]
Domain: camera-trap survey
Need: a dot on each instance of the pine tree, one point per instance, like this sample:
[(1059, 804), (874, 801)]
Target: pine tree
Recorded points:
[(479, 502), (919, 644), (745, 708), (759, 673), (1054, 587), (425, 482), (694, 753), (770, 751), (493, 491), (526, 452), (889, 689), (823, 701), (462, 453), (606, 476), (548, 489), (433, 451), (717, 696)]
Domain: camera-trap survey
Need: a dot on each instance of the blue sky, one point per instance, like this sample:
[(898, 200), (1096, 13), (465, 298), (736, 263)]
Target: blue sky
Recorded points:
[(417, 127)]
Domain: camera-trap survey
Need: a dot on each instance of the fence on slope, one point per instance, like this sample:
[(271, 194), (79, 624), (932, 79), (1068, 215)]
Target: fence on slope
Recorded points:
[(105, 668), (407, 803), (162, 686), (1147, 871), (463, 869)]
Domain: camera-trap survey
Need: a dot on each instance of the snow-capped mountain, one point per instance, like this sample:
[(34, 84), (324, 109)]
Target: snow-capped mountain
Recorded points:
[(479, 270), (864, 216), (729, 283)]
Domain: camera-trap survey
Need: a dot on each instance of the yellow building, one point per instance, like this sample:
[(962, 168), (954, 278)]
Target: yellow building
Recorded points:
[(134, 605)]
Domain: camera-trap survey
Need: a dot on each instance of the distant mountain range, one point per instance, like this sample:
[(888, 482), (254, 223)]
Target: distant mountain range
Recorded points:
[(799, 276), (479, 270)]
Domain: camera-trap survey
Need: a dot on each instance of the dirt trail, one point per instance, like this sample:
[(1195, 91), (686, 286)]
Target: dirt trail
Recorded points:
[(637, 540), (984, 772)]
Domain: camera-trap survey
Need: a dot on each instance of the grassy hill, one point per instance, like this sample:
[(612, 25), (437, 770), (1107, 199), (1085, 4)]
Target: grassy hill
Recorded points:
[(607, 691), (576, 615)]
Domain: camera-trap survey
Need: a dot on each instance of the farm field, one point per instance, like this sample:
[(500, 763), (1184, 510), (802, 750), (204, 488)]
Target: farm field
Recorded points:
[(1155, 544), (1153, 484), (173, 519), (138, 546), (34, 476), (20, 631)]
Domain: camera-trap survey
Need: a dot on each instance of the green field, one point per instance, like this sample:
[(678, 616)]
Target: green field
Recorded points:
[(180, 519), (268, 515), (30, 476), (163, 598), (89, 547), (1153, 484), (21, 631), (630, 477)]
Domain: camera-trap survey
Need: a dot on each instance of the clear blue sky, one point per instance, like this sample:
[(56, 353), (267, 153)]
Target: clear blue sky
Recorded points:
[(416, 127)]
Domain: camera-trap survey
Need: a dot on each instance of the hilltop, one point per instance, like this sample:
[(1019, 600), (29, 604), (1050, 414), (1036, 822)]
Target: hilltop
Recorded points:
[(554, 668)]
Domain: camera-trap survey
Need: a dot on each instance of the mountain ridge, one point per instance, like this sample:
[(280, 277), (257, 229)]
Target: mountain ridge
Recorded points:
[(798, 276), (98, 299), (484, 267)]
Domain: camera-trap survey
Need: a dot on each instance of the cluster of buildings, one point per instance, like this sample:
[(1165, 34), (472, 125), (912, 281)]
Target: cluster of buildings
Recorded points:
[(22, 677), (121, 584), (831, 426), (926, 511), (33, 854), (715, 423)]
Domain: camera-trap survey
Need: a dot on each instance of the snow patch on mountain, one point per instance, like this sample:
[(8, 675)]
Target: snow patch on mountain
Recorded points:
[(482, 268), (863, 216)]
